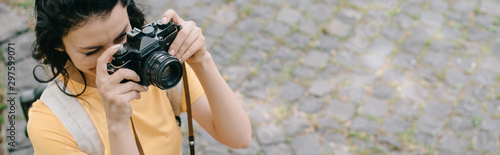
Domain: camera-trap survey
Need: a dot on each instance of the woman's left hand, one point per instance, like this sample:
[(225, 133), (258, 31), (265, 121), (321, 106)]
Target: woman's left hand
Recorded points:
[(189, 45)]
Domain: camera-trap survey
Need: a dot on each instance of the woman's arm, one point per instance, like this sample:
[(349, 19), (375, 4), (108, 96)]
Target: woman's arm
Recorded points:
[(218, 111)]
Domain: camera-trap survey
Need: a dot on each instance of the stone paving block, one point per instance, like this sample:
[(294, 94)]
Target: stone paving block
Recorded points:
[(326, 124), (281, 148), (477, 34), (450, 33), (250, 26), (405, 108), (437, 109), (460, 124), (494, 107), (308, 26), (261, 114), (321, 12), (298, 40), (271, 69), (452, 143), (349, 16), (335, 143), (199, 14), (275, 3), (251, 57), (495, 48), (383, 91), (394, 142), (321, 88), (485, 20), (340, 110), (490, 124), (304, 72), (442, 46), (330, 71), (338, 28), (288, 16), (295, 124), (429, 125), (291, 91), (432, 18), (11, 23), (459, 17), (263, 43), (306, 145), (404, 60), (439, 5), (346, 59), (464, 6), (486, 142), (226, 15), (310, 104), (277, 29), (327, 43), (316, 59), (456, 78), (490, 63), (381, 46), (264, 12), (354, 94), (395, 125), (270, 134), (411, 8), (402, 20), (373, 107), (256, 88), (373, 61), (361, 124), (490, 8), (476, 93)]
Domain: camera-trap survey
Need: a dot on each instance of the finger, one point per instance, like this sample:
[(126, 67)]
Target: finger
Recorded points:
[(123, 73), (171, 15), (189, 41), (131, 86), (129, 96), (195, 47), (105, 58), (181, 36)]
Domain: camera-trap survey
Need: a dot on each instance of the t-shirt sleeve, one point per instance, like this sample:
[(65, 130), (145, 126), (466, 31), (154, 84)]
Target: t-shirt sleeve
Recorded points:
[(47, 133), (195, 88)]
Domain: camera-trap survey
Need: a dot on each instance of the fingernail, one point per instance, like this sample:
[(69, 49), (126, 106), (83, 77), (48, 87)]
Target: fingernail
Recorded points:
[(118, 46), (172, 52), (164, 20), (145, 87), (138, 77), (180, 60)]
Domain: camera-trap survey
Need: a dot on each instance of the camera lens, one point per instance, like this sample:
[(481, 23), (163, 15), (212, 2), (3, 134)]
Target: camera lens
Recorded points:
[(162, 70)]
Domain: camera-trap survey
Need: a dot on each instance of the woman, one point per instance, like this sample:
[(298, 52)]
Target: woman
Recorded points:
[(77, 38)]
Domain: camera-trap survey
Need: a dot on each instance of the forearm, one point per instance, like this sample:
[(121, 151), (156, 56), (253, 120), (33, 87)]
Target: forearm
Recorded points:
[(230, 121), (121, 139)]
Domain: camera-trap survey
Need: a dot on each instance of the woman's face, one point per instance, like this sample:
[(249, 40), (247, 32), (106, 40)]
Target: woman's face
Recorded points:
[(85, 44)]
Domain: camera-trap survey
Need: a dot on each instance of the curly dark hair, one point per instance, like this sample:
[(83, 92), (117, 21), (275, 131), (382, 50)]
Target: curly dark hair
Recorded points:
[(55, 18)]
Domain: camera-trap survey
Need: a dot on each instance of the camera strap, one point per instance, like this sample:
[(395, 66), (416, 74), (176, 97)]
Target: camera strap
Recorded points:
[(188, 106)]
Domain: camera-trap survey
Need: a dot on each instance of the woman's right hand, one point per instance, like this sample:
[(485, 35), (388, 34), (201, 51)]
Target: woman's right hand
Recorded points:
[(116, 96)]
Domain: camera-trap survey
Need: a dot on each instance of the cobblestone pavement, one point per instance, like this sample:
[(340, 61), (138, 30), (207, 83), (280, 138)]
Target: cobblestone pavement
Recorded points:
[(345, 77)]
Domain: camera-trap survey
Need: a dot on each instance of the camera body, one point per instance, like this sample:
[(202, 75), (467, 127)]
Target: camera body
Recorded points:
[(145, 53)]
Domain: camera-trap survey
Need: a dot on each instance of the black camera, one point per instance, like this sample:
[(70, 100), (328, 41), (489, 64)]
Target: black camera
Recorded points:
[(145, 53)]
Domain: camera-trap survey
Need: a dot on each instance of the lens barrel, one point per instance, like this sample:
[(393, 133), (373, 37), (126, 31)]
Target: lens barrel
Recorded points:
[(162, 70)]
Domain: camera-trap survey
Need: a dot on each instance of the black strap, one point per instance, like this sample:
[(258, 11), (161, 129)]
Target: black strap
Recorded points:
[(188, 105), (137, 142)]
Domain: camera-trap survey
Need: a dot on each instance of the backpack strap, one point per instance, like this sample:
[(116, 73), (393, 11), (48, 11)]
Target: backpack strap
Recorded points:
[(74, 117)]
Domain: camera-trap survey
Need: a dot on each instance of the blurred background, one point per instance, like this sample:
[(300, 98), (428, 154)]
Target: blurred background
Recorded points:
[(333, 76)]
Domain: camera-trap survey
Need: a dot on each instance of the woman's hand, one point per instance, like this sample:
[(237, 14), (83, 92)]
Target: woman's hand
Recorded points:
[(116, 96), (189, 45)]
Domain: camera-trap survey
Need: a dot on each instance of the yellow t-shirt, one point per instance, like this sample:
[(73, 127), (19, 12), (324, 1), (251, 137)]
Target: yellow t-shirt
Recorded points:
[(153, 117)]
